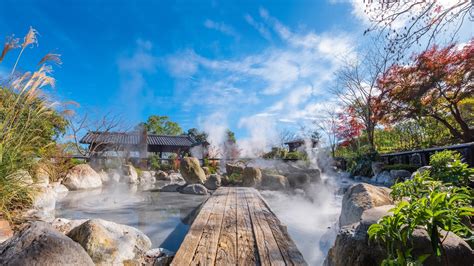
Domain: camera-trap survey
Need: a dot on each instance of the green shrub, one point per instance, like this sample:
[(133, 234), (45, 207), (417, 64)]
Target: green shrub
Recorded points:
[(361, 165), (235, 177), (428, 205), (408, 167), (447, 166), (296, 155), (432, 200)]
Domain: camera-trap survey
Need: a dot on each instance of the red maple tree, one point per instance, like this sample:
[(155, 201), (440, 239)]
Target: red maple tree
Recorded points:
[(433, 85), (349, 126)]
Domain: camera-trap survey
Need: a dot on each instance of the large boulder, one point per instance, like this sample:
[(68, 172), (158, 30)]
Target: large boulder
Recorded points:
[(421, 170), (384, 178), (65, 226), (251, 176), (170, 188), (274, 182), (42, 176), (147, 177), (377, 167), (213, 182), (191, 171), (194, 189), (114, 175), (352, 245), (400, 174), (82, 176), (43, 206), (39, 244), (299, 180), (234, 168), (130, 174), (104, 176), (159, 257), (60, 189), (162, 175), (361, 197), (109, 243), (5, 230)]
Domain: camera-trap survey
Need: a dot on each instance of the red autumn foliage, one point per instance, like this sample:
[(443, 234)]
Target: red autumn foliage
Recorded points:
[(349, 127), (432, 86)]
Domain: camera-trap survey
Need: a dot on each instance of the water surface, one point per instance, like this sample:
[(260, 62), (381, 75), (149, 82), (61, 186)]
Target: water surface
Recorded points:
[(163, 216)]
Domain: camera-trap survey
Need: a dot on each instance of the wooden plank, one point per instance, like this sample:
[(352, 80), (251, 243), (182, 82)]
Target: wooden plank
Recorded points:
[(269, 253), (288, 249), (227, 247), (247, 253), (236, 226), (187, 249), (207, 248)]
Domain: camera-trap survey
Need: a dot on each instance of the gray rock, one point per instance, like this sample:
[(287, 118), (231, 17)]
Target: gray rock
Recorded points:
[(400, 174), (377, 167), (110, 243), (274, 182), (213, 182), (251, 176), (105, 178), (191, 171), (42, 176), (159, 257), (82, 176), (44, 204), (234, 168), (299, 180), (40, 244), (195, 189), (162, 175), (65, 226), (420, 170), (384, 178), (131, 175), (147, 177), (361, 197), (170, 188)]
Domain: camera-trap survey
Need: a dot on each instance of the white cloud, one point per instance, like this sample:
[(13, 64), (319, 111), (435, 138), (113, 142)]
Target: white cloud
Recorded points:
[(283, 83), (134, 91), (222, 27), (260, 27)]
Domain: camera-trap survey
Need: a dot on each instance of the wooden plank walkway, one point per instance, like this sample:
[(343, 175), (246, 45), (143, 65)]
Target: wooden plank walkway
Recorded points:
[(235, 226)]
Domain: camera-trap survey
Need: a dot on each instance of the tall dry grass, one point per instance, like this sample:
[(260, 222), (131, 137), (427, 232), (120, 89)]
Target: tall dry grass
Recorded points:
[(23, 110)]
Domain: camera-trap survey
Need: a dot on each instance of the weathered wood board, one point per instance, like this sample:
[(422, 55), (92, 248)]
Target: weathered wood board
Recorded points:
[(235, 226)]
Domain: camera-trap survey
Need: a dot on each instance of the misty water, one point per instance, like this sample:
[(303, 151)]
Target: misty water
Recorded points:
[(165, 217)]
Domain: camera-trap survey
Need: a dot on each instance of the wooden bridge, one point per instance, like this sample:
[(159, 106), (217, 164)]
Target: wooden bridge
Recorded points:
[(235, 226)]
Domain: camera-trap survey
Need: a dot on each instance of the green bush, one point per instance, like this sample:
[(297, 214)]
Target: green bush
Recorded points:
[(361, 165), (296, 155), (408, 167), (429, 201), (447, 166)]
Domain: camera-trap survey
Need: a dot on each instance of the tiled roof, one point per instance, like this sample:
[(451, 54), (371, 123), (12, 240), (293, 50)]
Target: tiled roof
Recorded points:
[(123, 138)]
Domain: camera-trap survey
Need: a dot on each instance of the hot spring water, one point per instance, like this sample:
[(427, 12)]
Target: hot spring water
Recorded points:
[(164, 217)]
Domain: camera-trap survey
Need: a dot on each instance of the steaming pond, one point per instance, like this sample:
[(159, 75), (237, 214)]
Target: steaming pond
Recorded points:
[(310, 223), (162, 216)]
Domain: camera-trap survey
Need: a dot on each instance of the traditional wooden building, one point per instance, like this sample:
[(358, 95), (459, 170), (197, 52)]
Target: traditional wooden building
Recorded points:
[(294, 145), (138, 145)]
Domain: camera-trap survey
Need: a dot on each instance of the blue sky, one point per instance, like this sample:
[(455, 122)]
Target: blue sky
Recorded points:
[(252, 66)]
